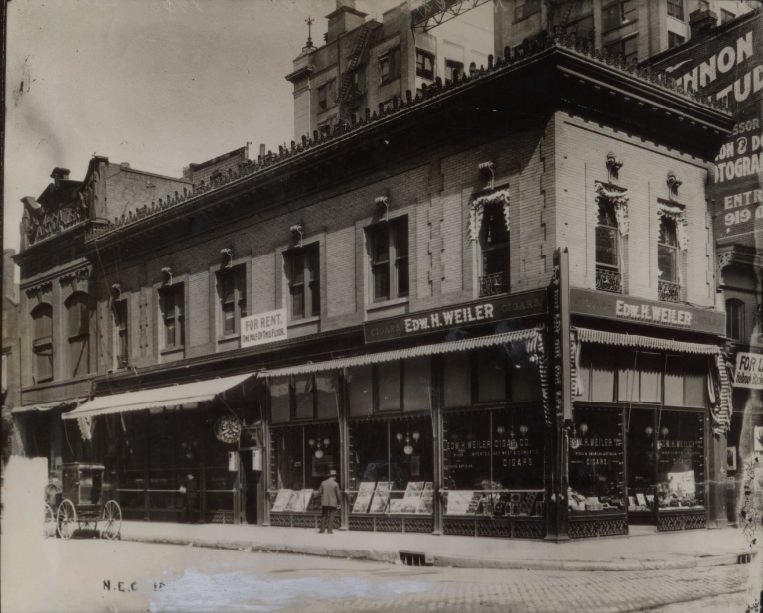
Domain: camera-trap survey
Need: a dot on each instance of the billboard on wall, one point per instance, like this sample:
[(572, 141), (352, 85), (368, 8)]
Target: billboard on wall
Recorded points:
[(728, 64)]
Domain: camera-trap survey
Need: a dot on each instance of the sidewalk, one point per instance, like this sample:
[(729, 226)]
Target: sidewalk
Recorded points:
[(643, 549)]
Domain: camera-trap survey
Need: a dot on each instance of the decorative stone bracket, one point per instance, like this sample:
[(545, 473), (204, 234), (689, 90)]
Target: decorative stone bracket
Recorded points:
[(478, 209)]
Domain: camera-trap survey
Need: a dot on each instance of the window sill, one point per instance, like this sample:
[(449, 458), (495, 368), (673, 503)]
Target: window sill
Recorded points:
[(173, 349), (296, 323), (228, 337), (383, 304)]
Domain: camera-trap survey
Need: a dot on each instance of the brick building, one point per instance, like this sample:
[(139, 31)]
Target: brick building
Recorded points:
[(725, 63), (508, 327)]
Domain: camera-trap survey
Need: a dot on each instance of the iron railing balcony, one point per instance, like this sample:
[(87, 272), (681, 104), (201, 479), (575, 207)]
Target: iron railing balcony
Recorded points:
[(495, 283), (608, 280), (668, 291)]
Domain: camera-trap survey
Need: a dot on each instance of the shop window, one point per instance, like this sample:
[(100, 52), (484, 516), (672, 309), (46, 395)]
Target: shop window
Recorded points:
[(424, 64), (172, 300), (676, 9), (389, 65), (596, 375), (596, 461), (735, 319), (674, 40), (388, 246), (491, 376), (78, 333), (640, 376), (608, 277), (231, 287), (493, 462), (685, 381), (42, 342), (525, 8), (668, 260), (280, 399), (360, 390), (391, 466), (619, 13), (301, 457), (494, 247), (417, 384), (304, 281), (640, 424), (680, 466), (121, 333), (327, 95), (453, 70), (627, 48), (457, 380)]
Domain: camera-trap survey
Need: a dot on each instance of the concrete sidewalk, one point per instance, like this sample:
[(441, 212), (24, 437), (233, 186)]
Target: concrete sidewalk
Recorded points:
[(643, 549)]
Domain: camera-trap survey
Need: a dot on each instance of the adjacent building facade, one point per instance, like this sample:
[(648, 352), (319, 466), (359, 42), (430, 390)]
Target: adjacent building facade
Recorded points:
[(508, 327)]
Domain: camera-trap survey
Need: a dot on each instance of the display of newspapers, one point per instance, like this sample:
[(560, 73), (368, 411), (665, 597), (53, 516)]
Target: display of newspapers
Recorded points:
[(300, 501), (365, 494), (411, 498), (380, 501), (427, 496), (460, 502), (283, 498)]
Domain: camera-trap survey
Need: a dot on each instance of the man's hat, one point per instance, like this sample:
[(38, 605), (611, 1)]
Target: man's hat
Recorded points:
[(332, 473)]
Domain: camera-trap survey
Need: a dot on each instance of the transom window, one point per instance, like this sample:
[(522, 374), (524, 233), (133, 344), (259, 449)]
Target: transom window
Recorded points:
[(172, 304), (388, 247), (231, 285), (42, 342), (303, 271)]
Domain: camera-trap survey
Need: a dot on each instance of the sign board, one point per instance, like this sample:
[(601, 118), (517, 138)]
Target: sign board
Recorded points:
[(263, 328), (749, 371), (650, 312), (257, 459), (728, 65), (459, 316), (233, 461)]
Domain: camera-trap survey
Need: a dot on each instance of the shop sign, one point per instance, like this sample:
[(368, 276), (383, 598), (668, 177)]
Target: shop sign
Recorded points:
[(484, 311), (613, 306), (749, 371), (263, 328), (728, 67)]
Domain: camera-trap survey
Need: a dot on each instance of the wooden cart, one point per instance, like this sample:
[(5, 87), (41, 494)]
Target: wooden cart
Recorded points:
[(83, 504)]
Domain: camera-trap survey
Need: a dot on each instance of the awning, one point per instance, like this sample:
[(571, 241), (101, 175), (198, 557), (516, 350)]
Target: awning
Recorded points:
[(174, 395), (44, 407), (411, 352), (638, 341)]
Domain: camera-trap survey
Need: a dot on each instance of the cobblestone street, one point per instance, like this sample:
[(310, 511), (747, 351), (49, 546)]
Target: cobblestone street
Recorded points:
[(89, 575)]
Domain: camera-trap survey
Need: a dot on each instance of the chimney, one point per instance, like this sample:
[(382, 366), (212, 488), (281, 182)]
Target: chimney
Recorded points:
[(702, 21), (59, 174), (344, 19)]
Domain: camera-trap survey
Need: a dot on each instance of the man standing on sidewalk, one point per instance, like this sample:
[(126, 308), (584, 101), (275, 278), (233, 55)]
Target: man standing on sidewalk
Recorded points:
[(191, 506), (329, 493)]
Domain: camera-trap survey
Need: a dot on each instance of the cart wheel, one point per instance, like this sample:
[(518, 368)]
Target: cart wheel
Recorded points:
[(112, 516), (67, 518), (50, 522)]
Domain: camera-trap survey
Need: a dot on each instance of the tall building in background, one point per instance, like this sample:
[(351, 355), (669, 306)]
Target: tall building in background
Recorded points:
[(634, 29), (367, 63)]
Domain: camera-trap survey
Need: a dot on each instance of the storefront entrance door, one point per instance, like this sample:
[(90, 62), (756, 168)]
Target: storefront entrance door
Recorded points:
[(641, 467)]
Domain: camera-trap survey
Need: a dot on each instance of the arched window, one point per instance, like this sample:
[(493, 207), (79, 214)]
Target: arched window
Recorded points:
[(42, 342), (735, 319), (78, 334), (667, 260), (494, 245), (607, 248)]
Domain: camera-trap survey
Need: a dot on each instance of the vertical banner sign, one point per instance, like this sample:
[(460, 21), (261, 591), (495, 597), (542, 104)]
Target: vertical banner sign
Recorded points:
[(560, 334), (257, 459), (727, 65), (233, 461)]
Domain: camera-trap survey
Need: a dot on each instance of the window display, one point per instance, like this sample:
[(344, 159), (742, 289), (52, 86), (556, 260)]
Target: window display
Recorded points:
[(596, 461), (493, 462), (681, 468), (391, 465), (301, 457), (639, 424)]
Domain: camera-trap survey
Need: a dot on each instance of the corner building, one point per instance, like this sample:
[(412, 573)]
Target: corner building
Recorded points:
[(491, 307)]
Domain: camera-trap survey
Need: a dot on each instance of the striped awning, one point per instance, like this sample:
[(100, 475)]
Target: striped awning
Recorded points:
[(44, 407), (411, 352), (638, 341), (171, 396)]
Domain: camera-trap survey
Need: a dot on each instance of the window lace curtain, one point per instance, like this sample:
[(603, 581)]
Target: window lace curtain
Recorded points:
[(477, 210)]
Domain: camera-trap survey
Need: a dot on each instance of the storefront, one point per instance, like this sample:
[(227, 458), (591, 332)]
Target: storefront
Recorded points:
[(443, 437), (150, 441), (641, 449)]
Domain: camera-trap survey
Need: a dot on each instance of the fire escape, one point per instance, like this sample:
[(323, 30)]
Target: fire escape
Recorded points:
[(349, 91)]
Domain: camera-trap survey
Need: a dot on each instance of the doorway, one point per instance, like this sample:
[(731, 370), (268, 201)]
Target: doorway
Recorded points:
[(250, 484)]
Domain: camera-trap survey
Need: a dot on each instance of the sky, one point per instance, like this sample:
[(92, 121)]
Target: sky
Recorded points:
[(156, 83)]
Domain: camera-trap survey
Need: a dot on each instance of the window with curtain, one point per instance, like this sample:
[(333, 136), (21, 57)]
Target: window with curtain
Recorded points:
[(78, 333), (42, 342)]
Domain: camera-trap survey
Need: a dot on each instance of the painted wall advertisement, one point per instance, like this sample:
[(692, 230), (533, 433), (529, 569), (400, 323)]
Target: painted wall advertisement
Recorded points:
[(729, 66)]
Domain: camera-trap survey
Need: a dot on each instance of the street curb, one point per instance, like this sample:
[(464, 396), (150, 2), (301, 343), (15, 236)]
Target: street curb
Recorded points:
[(455, 561)]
